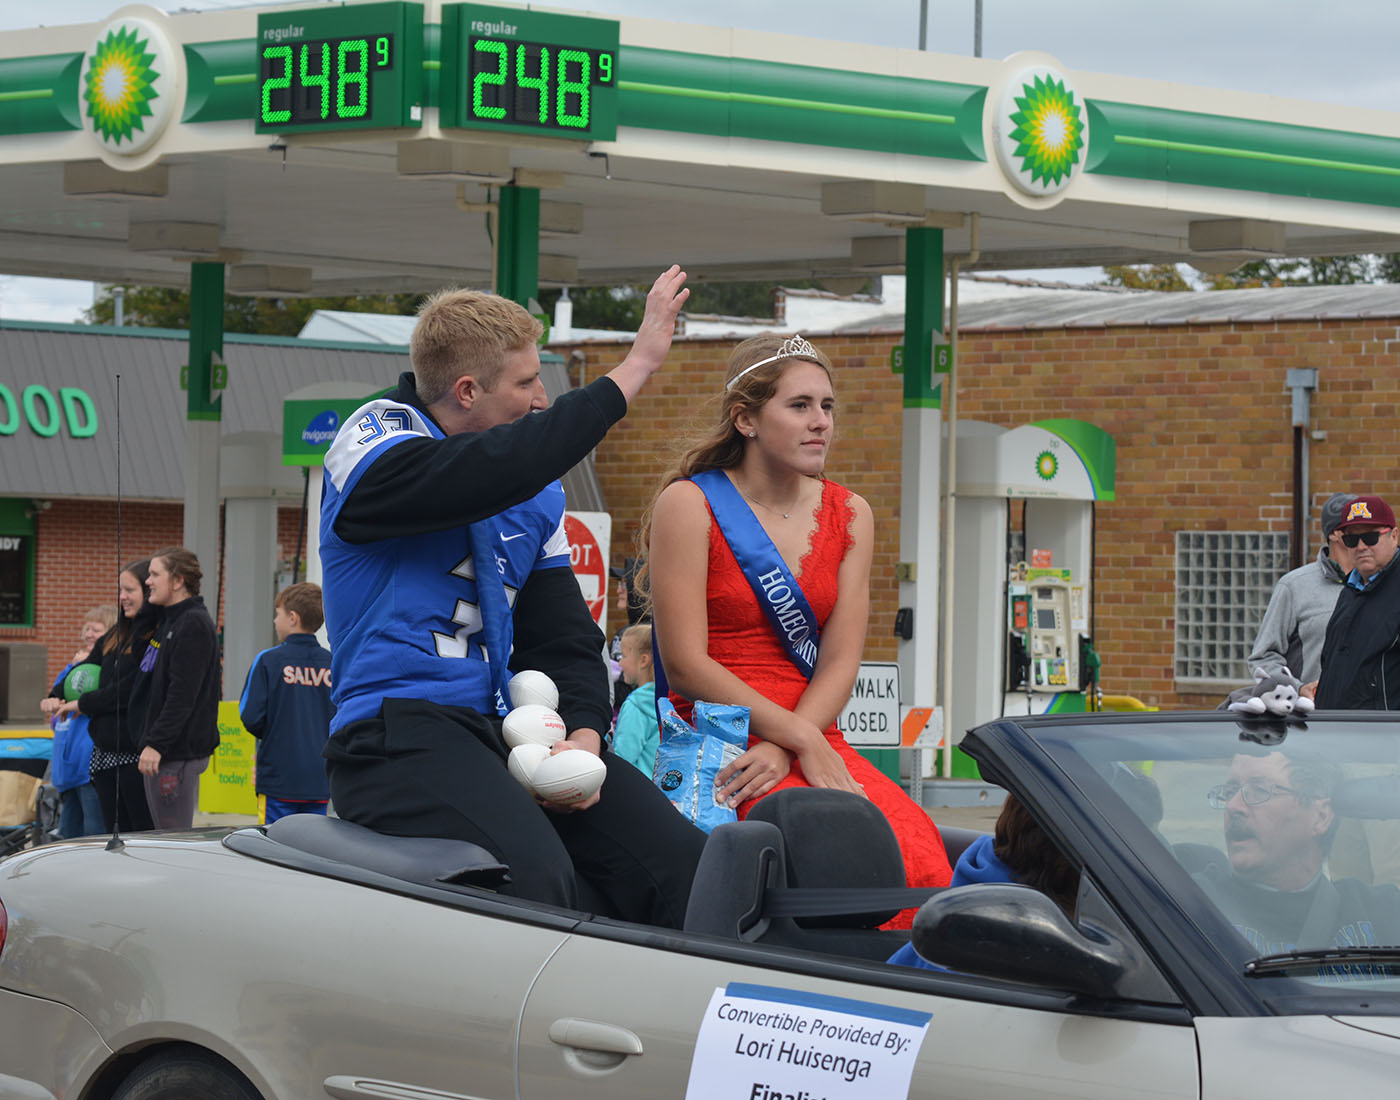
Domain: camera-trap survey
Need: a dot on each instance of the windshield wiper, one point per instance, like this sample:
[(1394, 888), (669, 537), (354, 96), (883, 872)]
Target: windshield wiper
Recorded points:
[(1385, 958)]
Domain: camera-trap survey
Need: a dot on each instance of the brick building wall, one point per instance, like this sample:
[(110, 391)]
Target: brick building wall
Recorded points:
[(1201, 417), (77, 563), (1200, 414)]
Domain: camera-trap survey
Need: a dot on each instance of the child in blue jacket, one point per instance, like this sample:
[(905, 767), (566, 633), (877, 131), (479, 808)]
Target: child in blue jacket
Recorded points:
[(287, 706), (80, 812), (637, 733)]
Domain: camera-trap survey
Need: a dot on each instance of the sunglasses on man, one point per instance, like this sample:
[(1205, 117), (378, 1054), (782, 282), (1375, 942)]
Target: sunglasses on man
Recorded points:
[(1370, 538)]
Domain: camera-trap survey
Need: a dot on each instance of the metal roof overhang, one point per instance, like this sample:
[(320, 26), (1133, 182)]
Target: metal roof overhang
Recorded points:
[(263, 370), (741, 200)]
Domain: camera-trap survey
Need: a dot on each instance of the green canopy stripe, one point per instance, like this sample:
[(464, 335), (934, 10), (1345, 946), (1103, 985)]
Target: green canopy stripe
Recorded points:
[(784, 101)]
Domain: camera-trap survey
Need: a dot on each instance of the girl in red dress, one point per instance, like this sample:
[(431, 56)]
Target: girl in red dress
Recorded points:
[(771, 441)]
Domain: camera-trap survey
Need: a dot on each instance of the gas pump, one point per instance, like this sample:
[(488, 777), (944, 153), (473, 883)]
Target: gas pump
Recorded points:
[(1049, 645), (1050, 649), (1023, 614)]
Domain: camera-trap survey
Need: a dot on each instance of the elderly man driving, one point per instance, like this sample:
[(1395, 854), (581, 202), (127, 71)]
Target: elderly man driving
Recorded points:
[(1278, 829)]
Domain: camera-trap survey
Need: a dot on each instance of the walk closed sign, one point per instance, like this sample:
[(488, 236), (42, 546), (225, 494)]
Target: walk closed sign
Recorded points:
[(872, 718)]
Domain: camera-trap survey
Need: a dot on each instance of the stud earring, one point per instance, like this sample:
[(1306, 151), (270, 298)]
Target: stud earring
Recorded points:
[(753, 435)]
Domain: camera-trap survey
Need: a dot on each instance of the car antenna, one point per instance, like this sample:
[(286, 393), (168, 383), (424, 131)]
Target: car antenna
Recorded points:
[(115, 842)]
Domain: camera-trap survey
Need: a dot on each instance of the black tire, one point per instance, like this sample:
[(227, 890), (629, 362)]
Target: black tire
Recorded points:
[(185, 1073)]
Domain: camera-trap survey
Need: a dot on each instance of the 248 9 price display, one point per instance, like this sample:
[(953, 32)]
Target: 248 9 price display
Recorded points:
[(322, 82), (534, 84)]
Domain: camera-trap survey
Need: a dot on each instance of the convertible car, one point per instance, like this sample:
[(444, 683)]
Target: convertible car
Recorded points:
[(1233, 931)]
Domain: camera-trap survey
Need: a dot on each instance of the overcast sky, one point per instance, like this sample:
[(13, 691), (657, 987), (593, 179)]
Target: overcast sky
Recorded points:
[(1342, 51)]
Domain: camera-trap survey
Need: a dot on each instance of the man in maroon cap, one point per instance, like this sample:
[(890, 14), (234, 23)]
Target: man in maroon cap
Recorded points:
[(1361, 651)]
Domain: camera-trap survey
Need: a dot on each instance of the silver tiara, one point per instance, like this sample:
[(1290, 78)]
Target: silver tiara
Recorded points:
[(795, 348)]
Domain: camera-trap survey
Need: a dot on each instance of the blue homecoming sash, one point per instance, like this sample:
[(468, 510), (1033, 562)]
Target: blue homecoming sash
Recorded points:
[(768, 575), (497, 626)]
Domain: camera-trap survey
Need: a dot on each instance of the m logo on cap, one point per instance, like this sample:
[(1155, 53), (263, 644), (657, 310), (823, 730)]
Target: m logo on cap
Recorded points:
[(1358, 510)]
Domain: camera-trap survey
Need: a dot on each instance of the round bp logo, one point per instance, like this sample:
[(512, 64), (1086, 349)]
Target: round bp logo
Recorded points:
[(127, 85), (1042, 131), (1046, 466), (322, 428)]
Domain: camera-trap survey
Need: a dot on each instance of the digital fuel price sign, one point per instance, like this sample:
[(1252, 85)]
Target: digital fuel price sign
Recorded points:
[(357, 67), (529, 72)]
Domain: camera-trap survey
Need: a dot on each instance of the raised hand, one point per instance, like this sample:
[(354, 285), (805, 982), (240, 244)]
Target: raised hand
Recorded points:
[(653, 340)]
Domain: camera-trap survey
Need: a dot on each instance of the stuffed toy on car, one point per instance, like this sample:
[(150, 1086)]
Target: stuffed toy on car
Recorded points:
[(1274, 693)]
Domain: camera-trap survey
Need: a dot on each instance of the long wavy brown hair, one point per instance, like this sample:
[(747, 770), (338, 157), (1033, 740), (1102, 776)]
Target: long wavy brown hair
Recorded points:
[(134, 634), (718, 445)]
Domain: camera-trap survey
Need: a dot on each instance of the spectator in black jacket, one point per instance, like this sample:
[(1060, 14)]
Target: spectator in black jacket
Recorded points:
[(116, 709), (1361, 651), (182, 720)]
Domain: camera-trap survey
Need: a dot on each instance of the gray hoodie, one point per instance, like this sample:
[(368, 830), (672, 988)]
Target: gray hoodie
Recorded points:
[(1295, 622)]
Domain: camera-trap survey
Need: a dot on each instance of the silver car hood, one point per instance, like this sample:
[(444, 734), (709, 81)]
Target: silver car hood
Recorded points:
[(1380, 1025)]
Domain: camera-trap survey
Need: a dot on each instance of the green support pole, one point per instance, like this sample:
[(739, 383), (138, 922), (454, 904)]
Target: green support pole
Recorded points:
[(923, 314), (518, 245), (203, 430), (206, 339)]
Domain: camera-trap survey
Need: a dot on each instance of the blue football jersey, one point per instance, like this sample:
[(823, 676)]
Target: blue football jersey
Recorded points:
[(402, 613)]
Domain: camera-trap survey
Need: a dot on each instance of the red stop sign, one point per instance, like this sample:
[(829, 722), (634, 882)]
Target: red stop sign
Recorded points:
[(589, 563)]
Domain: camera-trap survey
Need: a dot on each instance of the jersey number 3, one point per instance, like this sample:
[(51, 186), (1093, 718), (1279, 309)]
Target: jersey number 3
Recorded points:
[(372, 425), (466, 641)]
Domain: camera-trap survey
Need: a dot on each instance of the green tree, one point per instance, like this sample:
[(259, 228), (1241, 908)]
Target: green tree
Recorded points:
[(1146, 277), (1304, 271), (617, 308), (620, 308), (164, 307), (1312, 271)]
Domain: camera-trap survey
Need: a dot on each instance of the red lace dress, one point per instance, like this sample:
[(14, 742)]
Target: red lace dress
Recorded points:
[(741, 639)]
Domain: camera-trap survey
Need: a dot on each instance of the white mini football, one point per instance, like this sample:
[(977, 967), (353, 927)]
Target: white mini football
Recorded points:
[(529, 686), (569, 776), (523, 761), (532, 724)]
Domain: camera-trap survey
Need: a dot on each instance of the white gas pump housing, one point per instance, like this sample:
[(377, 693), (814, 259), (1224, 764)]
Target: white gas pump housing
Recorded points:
[(1058, 470)]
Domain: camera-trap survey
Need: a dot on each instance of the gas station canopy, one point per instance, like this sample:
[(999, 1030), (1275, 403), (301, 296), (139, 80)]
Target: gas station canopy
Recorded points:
[(355, 149)]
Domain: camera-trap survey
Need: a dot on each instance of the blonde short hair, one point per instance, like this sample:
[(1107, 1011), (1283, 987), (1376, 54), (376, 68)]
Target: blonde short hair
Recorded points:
[(104, 613), (638, 635), (466, 332)]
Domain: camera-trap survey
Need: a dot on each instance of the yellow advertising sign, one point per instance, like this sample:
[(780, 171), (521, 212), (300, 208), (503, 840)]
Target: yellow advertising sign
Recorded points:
[(226, 787)]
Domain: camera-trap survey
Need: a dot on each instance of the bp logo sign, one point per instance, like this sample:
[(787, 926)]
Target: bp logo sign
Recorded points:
[(127, 85), (1042, 131)]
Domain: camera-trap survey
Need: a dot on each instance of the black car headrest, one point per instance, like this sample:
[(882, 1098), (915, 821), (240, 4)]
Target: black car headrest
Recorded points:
[(1372, 796), (834, 839)]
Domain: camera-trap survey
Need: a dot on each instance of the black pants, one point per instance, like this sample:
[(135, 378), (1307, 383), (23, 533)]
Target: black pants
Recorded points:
[(123, 788), (421, 769)]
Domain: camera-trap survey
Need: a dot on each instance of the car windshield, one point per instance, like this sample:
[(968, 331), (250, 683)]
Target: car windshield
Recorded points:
[(1291, 830)]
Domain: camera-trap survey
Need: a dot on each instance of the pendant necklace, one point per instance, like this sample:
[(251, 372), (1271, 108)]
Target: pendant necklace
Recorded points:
[(770, 508)]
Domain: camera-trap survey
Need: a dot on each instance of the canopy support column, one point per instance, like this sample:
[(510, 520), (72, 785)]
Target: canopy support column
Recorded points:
[(921, 468), (518, 244), (204, 413)]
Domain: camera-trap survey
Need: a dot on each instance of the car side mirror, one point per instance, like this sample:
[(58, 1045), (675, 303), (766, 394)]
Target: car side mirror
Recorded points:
[(1015, 933)]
